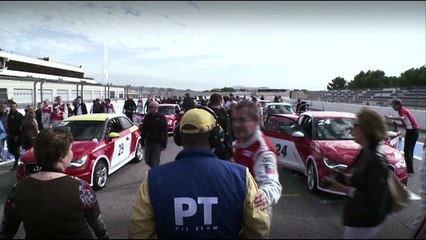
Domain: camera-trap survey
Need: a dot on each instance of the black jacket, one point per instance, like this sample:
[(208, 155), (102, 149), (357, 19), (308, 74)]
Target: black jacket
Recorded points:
[(154, 129), (371, 201), (14, 122), (83, 108), (226, 151)]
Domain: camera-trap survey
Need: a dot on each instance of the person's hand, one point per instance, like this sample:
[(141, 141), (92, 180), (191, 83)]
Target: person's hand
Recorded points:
[(260, 200)]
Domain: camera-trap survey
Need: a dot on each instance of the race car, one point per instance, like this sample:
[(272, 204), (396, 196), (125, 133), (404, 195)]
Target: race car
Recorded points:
[(276, 108), (171, 112), (103, 143), (318, 144)]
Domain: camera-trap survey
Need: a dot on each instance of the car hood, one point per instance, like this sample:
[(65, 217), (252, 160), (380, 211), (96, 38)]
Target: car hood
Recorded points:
[(79, 148), (343, 151)]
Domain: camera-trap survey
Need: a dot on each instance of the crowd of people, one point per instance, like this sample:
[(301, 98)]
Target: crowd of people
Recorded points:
[(222, 184)]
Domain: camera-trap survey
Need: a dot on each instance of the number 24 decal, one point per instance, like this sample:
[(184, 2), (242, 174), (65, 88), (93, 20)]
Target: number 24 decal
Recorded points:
[(281, 150), (120, 148)]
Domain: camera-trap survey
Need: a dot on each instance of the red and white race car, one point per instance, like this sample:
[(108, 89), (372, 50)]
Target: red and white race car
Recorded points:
[(171, 111), (103, 143), (319, 143)]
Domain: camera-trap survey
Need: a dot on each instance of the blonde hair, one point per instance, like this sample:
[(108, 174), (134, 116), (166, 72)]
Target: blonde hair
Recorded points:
[(372, 125)]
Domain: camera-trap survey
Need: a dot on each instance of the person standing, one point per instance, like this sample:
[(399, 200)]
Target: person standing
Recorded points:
[(411, 131), (62, 106), (50, 203), (197, 195), (97, 106), (418, 228), (80, 107), (3, 120), (255, 151), (129, 108), (45, 116), (29, 129), (38, 115), (368, 198), (14, 123), (57, 116), (224, 151), (154, 134), (109, 107)]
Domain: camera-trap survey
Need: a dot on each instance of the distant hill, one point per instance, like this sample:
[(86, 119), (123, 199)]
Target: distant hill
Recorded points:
[(248, 88)]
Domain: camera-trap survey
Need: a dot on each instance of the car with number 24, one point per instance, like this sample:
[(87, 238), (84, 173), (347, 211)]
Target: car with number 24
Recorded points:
[(103, 143), (319, 144)]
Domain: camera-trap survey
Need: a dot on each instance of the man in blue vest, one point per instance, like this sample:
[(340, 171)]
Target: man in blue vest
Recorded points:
[(198, 195)]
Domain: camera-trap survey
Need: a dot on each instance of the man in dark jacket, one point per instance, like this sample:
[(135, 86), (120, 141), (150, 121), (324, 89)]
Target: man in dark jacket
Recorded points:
[(129, 107), (216, 104), (97, 106), (153, 134), (14, 122), (79, 107)]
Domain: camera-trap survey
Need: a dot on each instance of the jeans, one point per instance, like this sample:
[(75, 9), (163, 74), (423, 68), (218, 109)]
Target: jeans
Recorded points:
[(2, 155), (152, 154), (411, 136)]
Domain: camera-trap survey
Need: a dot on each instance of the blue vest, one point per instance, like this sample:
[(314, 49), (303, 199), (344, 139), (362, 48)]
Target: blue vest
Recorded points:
[(197, 196)]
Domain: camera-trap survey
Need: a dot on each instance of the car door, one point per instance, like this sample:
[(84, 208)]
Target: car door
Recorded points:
[(279, 129), (119, 143), (305, 145)]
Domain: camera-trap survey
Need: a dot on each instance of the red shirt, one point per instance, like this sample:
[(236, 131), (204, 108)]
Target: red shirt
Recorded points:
[(409, 120)]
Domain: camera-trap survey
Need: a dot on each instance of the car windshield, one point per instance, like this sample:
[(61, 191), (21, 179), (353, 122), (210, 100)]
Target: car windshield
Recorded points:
[(280, 109), (333, 129), (85, 130), (166, 110)]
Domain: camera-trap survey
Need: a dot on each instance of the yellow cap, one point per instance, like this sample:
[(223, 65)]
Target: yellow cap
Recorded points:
[(197, 120)]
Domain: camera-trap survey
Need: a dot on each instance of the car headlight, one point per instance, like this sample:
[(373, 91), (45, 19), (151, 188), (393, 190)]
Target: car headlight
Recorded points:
[(169, 122), (333, 164), (78, 162), (401, 164)]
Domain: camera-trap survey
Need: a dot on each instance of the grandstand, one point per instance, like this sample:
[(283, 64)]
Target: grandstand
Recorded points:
[(411, 97)]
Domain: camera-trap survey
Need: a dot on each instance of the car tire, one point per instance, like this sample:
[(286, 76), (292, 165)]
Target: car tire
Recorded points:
[(311, 177), (100, 175), (139, 153)]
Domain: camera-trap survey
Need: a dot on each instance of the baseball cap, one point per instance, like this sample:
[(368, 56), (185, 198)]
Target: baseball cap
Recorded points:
[(197, 120)]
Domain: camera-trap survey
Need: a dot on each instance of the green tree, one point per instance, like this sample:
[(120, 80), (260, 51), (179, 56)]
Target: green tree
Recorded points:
[(337, 84)]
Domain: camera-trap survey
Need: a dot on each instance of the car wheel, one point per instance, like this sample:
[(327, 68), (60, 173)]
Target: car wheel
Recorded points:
[(311, 177), (100, 175), (139, 153)]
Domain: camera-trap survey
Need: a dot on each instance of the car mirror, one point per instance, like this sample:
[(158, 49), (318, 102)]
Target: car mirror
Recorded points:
[(298, 134), (113, 135)]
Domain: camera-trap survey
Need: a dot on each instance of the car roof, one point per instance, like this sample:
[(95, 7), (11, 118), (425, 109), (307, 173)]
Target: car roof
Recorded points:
[(94, 117), (278, 103), (319, 114)]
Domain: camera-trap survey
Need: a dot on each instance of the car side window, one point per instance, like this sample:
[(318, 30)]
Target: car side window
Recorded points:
[(113, 126), (125, 123), (307, 125)]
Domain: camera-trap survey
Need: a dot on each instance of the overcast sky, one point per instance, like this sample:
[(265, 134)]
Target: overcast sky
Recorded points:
[(204, 45)]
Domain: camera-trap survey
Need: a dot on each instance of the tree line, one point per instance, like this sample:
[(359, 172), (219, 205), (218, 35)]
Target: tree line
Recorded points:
[(414, 77)]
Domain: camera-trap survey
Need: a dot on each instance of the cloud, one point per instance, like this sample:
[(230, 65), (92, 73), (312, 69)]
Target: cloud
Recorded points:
[(189, 41)]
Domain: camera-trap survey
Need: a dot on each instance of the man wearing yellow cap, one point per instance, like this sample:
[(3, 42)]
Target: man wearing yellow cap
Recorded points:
[(197, 195)]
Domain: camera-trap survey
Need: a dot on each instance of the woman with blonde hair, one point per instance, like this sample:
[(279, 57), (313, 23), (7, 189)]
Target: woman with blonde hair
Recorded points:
[(367, 194)]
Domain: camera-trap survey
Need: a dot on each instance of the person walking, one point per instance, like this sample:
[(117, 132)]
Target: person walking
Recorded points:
[(154, 134), (61, 106), (225, 150), (3, 120), (57, 116), (109, 107), (50, 203), (14, 123), (368, 199), (80, 107), (97, 106), (418, 227), (129, 108), (29, 129), (197, 195), (255, 151), (45, 116), (411, 131)]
